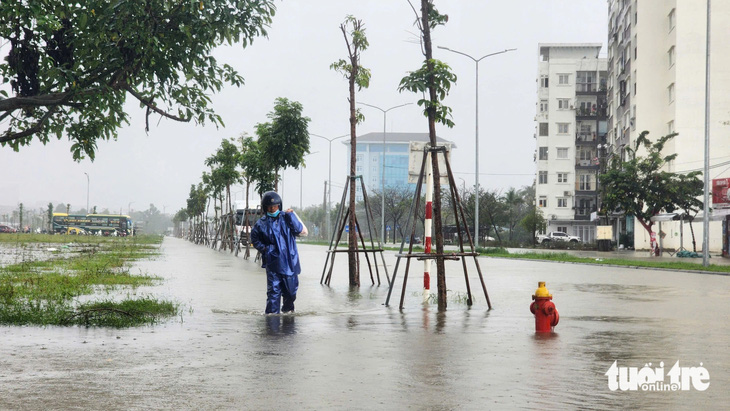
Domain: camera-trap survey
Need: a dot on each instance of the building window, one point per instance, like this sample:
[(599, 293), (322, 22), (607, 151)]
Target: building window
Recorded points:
[(562, 152), (670, 127), (542, 202), (542, 177), (563, 128), (563, 104), (563, 230), (543, 153), (359, 158), (543, 106), (585, 154), (358, 169), (544, 81), (562, 202), (584, 182), (670, 54), (562, 177), (543, 129), (670, 90), (672, 19), (563, 79)]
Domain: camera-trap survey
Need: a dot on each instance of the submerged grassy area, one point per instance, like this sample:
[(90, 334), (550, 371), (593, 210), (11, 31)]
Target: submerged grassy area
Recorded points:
[(63, 291), (566, 257)]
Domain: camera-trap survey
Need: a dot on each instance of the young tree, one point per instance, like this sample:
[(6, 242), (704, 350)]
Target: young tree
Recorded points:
[(49, 214), (224, 168), (356, 75), (434, 80), (533, 222), (248, 161), (512, 200), (20, 215), (640, 187), (284, 141), (72, 65)]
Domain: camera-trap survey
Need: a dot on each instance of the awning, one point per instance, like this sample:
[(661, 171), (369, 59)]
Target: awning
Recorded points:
[(716, 214), (672, 217)]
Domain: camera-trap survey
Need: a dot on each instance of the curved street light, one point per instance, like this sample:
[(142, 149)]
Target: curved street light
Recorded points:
[(329, 181), (476, 173), (382, 176)]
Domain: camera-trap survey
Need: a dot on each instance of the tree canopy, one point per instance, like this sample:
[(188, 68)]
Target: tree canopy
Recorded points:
[(284, 141), (640, 187), (72, 65)]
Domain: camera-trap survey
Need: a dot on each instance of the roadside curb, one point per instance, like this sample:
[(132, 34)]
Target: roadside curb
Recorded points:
[(613, 265)]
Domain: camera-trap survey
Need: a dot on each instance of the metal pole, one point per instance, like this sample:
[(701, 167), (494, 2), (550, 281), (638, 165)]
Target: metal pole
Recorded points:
[(382, 174), (706, 211), (476, 128), (87, 193), (382, 187), (476, 153), (329, 179)]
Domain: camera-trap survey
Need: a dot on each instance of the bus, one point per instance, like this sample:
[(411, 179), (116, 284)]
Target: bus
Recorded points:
[(104, 224)]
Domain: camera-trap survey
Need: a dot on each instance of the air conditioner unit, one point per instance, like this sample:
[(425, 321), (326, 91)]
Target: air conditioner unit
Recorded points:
[(567, 194)]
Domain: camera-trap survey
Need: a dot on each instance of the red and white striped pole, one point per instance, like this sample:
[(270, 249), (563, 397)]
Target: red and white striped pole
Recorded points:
[(427, 228)]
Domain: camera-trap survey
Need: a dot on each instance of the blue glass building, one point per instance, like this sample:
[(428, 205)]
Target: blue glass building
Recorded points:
[(372, 149)]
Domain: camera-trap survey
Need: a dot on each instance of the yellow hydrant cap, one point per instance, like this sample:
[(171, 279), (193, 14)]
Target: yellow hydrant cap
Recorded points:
[(541, 291)]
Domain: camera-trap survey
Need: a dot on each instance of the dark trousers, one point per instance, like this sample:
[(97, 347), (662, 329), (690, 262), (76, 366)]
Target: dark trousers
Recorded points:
[(278, 286)]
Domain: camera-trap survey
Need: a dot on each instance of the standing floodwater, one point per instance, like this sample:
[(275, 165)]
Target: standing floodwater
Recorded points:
[(344, 350)]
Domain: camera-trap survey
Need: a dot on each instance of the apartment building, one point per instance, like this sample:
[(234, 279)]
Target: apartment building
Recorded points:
[(656, 82), (570, 135)]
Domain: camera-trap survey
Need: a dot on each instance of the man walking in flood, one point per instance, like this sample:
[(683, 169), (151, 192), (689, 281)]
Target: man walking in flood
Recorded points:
[(274, 236)]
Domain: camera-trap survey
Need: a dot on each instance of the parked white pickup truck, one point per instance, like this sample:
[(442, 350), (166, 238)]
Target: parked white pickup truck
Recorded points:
[(557, 236)]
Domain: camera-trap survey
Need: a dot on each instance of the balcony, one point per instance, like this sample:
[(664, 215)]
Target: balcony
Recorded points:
[(586, 138), (585, 164), (594, 112)]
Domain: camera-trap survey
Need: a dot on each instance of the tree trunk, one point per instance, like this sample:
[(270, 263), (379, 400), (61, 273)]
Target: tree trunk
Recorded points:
[(436, 205), (352, 235)]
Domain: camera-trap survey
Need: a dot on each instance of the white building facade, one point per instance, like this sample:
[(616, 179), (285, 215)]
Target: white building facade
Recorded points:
[(571, 129), (656, 65)]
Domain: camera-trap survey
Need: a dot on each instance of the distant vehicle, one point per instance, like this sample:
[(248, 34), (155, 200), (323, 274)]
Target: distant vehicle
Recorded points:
[(106, 224), (7, 229), (416, 240), (76, 231), (557, 236)]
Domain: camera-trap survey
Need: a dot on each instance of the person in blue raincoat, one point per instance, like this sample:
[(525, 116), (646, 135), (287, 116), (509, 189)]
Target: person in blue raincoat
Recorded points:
[(273, 236)]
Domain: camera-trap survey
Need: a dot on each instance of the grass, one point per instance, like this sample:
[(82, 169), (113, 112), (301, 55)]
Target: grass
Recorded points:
[(48, 292), (565, 257)]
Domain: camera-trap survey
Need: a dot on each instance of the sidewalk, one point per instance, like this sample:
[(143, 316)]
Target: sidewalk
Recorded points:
[(715, 259)]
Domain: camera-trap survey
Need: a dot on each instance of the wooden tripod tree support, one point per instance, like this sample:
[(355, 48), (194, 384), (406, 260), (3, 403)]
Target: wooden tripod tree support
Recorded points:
[(341, 221), (244, 237), (460, 219), (225, 232)]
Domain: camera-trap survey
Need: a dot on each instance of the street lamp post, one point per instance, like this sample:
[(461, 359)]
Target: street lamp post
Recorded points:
[(129, 207), (476, 127), (301, 180), (329, 181), (382, 176), (87, 193)]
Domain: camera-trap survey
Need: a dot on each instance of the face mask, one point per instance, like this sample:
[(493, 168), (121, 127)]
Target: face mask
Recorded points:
[(276, 214)]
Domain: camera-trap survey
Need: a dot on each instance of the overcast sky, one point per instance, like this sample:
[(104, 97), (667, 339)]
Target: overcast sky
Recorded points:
[(158, 168)]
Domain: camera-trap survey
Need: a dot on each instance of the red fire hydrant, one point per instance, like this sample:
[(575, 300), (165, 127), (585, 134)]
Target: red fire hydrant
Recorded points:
[(546, 315)]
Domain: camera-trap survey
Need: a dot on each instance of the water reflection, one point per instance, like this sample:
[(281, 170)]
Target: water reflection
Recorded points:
[(280, 324)]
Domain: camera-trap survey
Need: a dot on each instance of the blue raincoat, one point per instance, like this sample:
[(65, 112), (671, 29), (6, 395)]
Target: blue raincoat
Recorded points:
[(274, 238)]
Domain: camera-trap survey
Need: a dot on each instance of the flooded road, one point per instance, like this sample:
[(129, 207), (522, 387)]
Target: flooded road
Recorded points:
[(345, 350)]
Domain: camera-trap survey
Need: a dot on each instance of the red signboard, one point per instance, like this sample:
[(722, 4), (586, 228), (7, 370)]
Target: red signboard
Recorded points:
[(720, 193)]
